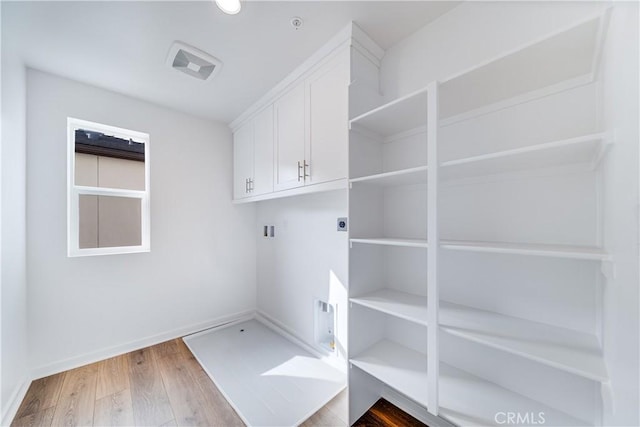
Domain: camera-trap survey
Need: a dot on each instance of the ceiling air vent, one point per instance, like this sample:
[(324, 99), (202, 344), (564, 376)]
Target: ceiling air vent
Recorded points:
[(193, 61)]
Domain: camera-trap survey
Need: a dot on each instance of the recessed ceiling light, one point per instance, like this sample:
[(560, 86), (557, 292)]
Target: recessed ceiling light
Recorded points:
[(192, 61), (230, 7)]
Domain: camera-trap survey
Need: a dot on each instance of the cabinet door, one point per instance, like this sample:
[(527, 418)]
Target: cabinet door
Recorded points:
[(263, 152), (328, 100), (290, 138), (242, 159)]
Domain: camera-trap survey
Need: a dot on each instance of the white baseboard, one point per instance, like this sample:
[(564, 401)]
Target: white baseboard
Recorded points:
[(96, 356), (9, 412), (285, 331)]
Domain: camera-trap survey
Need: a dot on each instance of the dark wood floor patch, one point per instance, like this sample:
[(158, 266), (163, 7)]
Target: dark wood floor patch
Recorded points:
[(384, 414)]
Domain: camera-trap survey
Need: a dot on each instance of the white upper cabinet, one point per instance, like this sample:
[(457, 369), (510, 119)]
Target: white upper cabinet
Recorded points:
[(253, 156), (312, 127), (263, 137), (300, 129), (242, 160), (328, 98), (290, 139)]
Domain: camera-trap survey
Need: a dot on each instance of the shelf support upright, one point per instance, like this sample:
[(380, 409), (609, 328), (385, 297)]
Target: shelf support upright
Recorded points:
[(433, 353)]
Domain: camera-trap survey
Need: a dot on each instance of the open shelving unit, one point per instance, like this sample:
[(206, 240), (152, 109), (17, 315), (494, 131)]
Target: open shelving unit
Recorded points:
[(572, 351), (403, 369), (386, 241), (409, 176), (543, 343), (516, 76), (586, 149), (561, 348), (395, 117), (531, 249), (468, 400), (395, 303), (390, 173)]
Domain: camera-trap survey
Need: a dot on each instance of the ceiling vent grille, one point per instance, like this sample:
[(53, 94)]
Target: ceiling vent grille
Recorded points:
[(193, 61)]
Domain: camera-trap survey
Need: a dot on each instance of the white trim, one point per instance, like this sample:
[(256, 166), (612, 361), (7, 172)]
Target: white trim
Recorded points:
[(364, 131), (391, 104), (102, 354), (281, 329), (339, 184), (74, 191), (13, 404), (530, 43), (524, 98), (366, 45), (115, 192), (532, 148), (111, 130), (576, 168), (603, 26), (339, 40), (432, 285), (405, 134), (349, 36), (249, 316), (285, 331), (602, 16)]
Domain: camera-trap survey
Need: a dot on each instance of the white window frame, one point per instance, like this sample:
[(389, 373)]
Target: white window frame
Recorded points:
[(74, 191)]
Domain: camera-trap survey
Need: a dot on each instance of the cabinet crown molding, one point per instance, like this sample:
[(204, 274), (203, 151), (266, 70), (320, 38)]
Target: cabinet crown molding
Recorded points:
[(350, 36)]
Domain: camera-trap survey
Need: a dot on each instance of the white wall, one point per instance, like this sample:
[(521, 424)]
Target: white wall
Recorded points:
[(620, 93), (13, 224), (471, 33), (306, 259), (201, 265)]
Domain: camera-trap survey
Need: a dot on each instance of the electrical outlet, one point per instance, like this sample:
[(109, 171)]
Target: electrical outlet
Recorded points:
[(342, 224)]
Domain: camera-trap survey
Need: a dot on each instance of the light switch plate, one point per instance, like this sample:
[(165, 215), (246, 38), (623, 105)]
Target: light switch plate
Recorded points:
[(342, 224)]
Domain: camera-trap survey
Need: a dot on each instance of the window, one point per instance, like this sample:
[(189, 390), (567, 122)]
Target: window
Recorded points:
[(108, 180)]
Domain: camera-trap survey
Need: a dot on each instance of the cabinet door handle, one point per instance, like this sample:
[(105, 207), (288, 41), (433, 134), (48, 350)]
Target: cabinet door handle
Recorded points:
[(300, 167), (246, 185), (251, 185), (306, 175)]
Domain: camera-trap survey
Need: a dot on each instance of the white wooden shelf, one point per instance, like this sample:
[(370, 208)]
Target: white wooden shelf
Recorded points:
[(524, 73), (399, 367), (399, 304), (402, 114), (586, 149), (417, 175), (571, 351), (386, 241), (553, 251), (467, 400)]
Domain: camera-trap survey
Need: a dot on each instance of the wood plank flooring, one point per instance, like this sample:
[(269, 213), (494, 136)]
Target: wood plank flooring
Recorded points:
[(384, 414), (162, 385)]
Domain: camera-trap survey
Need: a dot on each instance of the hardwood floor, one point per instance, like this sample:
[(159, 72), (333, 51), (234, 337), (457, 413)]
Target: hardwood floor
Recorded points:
[(162, 385), (384, 414)]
